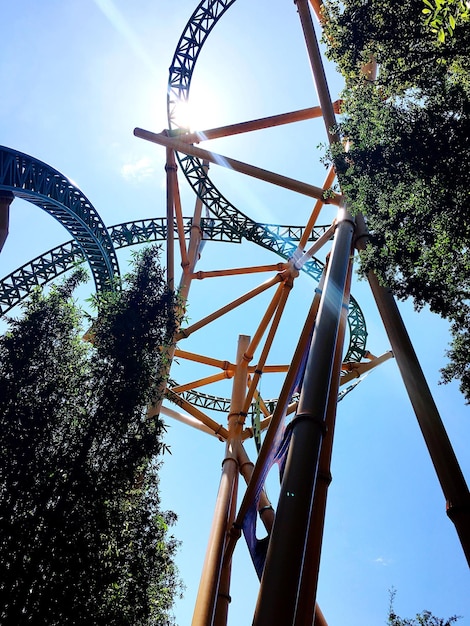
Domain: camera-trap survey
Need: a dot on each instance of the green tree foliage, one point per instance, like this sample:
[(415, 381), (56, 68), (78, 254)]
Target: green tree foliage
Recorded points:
[(83, 538), (407, 164), (426, 618), (442, 16)]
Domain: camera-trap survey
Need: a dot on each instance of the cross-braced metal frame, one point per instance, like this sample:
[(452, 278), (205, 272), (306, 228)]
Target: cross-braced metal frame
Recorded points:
[(287, 561), (295, 430)]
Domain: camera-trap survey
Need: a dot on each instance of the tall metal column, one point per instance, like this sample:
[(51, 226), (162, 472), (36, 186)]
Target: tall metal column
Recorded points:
[(445, 463), (279, 589), (307, 611), (6, 198), (206, 601)]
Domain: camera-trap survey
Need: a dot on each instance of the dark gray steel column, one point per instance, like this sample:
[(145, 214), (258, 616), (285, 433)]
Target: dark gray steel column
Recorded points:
[(6, 198), (440, 449), (280, 583)]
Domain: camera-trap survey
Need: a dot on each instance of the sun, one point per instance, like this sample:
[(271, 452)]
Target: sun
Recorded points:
[(202, 110)]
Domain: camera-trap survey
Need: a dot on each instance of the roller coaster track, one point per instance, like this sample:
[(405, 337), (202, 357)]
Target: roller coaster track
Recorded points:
[(203, 20), (38, 183), (15, 287), (39, 271), (190, 44)]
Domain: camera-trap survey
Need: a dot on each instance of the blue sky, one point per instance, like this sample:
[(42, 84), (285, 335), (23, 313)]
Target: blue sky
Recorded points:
[(77, 78)]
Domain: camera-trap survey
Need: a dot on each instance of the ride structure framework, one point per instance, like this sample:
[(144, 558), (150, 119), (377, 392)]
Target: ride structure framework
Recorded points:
[(294, 430)]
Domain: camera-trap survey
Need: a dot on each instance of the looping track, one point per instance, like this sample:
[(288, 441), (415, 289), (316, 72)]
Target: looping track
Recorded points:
[(189, 46)]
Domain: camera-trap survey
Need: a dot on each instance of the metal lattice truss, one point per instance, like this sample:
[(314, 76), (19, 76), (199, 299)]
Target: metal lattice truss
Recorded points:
[(182, 67), (34, 181), (39, 271)]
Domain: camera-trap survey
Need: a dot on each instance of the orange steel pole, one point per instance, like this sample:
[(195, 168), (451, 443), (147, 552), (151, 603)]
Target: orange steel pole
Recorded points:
[(358, 369), (201, 358), (275, 267), (273, 305), (194, 244), (238, 166), (279, 589), (248, 432), (179, 216), (189, 420), (267, 347), (319, 243), (262, 405), (223, 596), (275, 422), (440, 449), (185, 332), (201, 382), (272, 369), (330, 177), (306, 610), (185, 283), (244, 127), (210, 579), (317, 9), (218, 430)]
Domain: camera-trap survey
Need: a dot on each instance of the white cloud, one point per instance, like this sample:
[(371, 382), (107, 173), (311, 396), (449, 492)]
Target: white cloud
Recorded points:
[(138, 170), (381, 561)]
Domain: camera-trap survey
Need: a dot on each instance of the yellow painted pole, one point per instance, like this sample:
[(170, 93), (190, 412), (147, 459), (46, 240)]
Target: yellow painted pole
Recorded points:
[(238, 166)]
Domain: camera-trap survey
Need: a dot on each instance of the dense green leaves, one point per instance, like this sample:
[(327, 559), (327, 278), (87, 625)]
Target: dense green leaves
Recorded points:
[(442, 16), (408, 161), (83, 539)]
